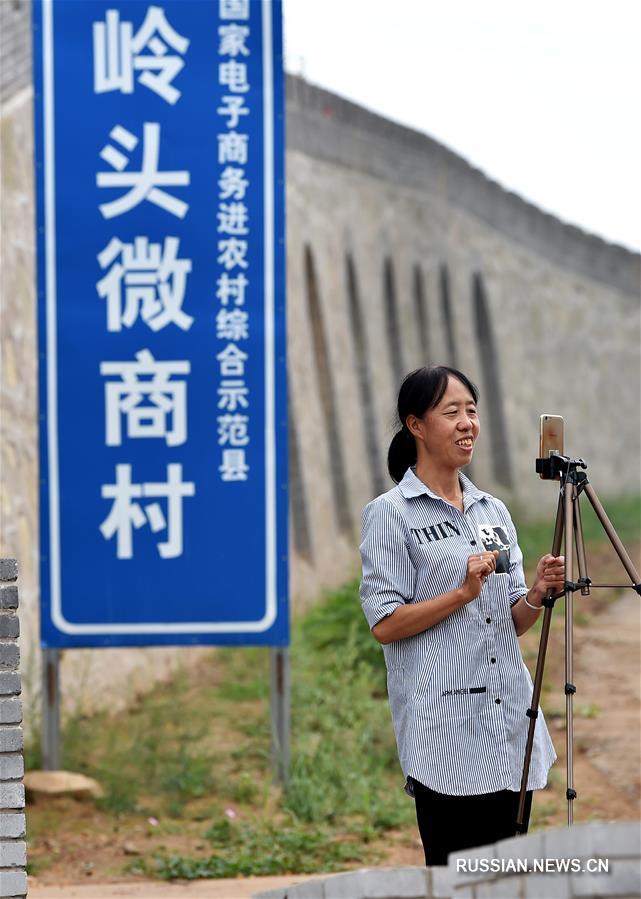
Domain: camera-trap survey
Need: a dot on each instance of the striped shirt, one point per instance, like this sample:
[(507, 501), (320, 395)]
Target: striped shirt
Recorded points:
[(459, 690)]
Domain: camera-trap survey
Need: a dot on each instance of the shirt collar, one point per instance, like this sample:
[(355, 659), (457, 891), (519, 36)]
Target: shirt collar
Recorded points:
[(411, 486)]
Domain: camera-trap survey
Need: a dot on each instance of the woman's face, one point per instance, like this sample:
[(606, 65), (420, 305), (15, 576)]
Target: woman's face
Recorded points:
[(449, 430)]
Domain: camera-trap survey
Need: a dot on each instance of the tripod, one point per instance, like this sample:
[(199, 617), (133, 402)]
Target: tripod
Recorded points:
[(573, 483)]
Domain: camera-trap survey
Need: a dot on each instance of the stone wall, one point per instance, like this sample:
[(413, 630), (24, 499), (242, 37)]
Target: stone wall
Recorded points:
[(399, 253), (592, 861), (13, 848), (442, 265), (15, 47)]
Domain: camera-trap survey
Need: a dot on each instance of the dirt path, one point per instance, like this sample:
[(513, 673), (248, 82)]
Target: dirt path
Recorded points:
[(241, 888), (608, 678)]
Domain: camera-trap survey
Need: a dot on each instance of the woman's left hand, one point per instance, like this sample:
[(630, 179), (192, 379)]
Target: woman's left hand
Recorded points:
[(550, 574)]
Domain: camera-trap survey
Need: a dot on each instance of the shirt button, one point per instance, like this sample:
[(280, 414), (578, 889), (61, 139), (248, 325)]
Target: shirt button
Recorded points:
[(488, 620), (497, 701), (472, 542), (492, 661)]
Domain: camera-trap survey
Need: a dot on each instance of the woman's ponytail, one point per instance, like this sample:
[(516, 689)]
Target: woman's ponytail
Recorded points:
[(401, 454)]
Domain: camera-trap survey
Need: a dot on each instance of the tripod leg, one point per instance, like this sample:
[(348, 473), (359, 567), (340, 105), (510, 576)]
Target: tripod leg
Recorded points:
[(626, 561), (533, 711), (580, 548), (570, 498)]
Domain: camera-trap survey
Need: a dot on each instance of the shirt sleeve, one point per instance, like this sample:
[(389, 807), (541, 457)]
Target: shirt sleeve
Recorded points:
[(516, 584), (389, 575)]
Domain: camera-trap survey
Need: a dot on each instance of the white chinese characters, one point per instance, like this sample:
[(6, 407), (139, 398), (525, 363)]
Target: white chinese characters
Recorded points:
[(126, 514), (234, 240), (233, 467), (163, 415), (144, 280), (119, 53), (148, 183), (234, 9)]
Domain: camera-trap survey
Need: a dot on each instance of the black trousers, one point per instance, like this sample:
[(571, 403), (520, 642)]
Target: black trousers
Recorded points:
[(454, 823)]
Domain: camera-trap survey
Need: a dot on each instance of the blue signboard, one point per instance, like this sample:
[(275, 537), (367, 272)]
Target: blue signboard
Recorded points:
[(163, 423)]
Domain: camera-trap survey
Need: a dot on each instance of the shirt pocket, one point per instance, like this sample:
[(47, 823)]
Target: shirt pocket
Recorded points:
[(500, 596), (396, 696), (424, 668), (442, 707), (457, 706)]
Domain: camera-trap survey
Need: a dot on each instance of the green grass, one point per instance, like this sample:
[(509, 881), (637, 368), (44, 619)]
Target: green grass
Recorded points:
[(155, 753), (244, 850), (163, 759)]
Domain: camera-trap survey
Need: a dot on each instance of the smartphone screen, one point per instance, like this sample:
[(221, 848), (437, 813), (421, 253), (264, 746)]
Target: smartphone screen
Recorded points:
[(551, 439)]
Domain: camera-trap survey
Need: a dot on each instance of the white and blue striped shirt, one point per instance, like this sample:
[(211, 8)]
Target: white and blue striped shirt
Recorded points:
[(459, 690)]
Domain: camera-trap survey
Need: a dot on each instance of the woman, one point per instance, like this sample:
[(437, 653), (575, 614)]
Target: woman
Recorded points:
[(443, 591)]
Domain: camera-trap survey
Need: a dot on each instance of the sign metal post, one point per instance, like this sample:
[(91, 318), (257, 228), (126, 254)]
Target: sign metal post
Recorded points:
[(51, 709), (280, 705)]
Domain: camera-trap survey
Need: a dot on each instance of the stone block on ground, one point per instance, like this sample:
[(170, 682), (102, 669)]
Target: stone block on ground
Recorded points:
[(443, 879), (552, 886), (310, 889), (472, 858), (529, 845), (577, 841), (345, 886), (50, 784), (622, 879), (401, 883), (617, 839), (504, 888)]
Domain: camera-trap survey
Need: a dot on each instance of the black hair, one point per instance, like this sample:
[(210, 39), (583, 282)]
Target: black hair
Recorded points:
[(421, 390)]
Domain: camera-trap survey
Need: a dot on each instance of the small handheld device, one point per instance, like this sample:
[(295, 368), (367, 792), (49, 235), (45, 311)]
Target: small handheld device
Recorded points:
[(551, 441)]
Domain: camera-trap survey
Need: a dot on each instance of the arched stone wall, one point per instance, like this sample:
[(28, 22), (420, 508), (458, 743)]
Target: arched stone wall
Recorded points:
[(451, 268)]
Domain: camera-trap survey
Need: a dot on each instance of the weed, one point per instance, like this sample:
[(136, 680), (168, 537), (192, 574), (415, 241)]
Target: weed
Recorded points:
[(220, 833), (37, 865), (239, 692), (248, 850), (244, 789)]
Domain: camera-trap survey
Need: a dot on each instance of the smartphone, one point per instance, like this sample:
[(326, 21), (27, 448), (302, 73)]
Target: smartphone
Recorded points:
[(551, 440)]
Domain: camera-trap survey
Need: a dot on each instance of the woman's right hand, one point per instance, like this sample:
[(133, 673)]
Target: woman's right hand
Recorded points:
[(478, 567)]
